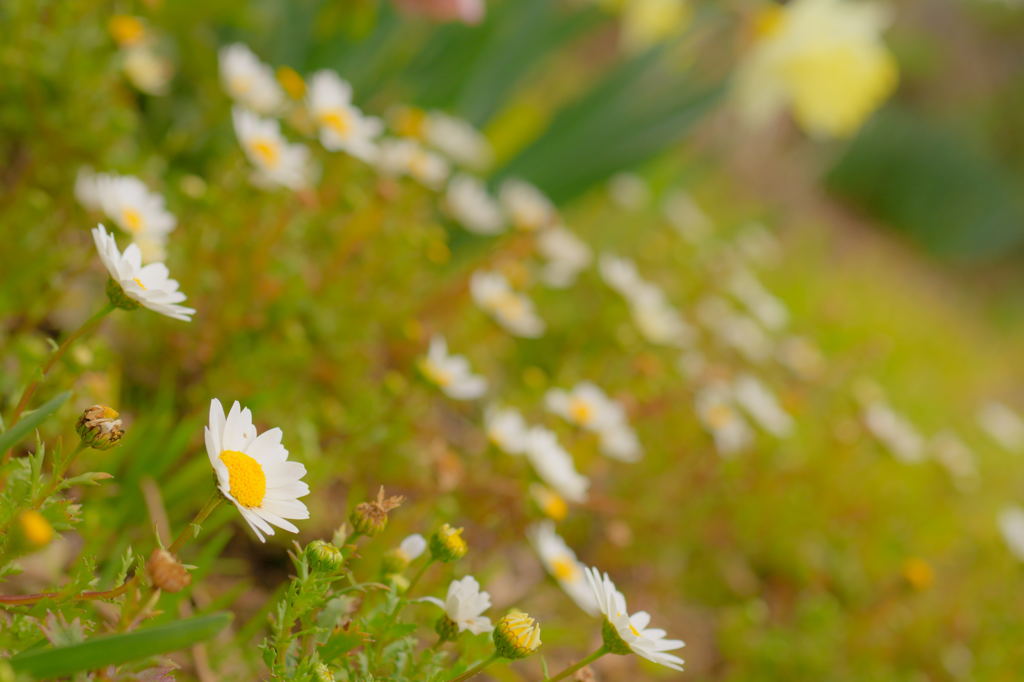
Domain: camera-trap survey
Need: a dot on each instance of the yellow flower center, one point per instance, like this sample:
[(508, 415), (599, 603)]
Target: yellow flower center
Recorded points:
[(554, 506), (139, 282), (564, 569), (522, 631), (509, 305), (267, 151), (239, 85), (247, 482), (291, 81), (338, 120), (419, 165), (132, 220), (36, 529), (411, 122), (634, 630), (439, 375), (581, 411), (719, 416), (126, 30)]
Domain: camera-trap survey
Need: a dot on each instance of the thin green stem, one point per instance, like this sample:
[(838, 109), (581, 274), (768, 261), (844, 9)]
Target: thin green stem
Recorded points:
[(419, 574), (476, 669), (573, 668), (201, 516)]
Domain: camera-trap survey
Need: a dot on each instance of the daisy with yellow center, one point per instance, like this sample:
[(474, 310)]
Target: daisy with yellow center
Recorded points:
[(249, 81), (719, 416), (451, 373), (560, 561), (506, 428), (526, 206), (509, 308), (131, 206), (277, 162), (397, 157), (587, 406), (342, 126), (548, 502), (253, 470)]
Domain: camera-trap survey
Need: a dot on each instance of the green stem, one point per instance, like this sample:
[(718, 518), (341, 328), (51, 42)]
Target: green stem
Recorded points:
[(201, 516), (573, 668), (419, 574), (30, 390), (476, 669)]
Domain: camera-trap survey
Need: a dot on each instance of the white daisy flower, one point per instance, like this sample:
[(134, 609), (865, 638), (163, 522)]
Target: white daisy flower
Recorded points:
[(686, 217), (1011, 525), (511, 309), (560, 561), (1003, 425), (253, 470), (343, 127), (658, 321), (735, 330), (465, 604), (630, 633), (618, 441), (585, 405), (894, 432), (136, 210), (147, 70), (397, 157), (526, 206), (277, 162), (956, 458), (762, 406), (554, 465), (758, 245), (768, 309), (566, 255), (451, 373), (87, 191), (149, 286), (249, 81), (507, 429), (620, 274), (469, 204), (719, 417), (412, 547), (458, 140)]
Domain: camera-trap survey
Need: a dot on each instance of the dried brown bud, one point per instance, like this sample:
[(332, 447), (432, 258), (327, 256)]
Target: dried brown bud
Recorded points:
[(370, 518), (584, 675), (166, 571), (100, 427)]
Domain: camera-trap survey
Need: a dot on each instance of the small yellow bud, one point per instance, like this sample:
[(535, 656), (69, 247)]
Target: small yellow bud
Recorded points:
[(100, 427), (166, 571), (37, 530), (447, 544), (516, 635), (324, 557)]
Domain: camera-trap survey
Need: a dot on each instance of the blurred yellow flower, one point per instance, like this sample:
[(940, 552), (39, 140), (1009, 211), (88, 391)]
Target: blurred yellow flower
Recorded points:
[(918, 573), (126, 30), (37, 530), (291, 81), (822, 59)]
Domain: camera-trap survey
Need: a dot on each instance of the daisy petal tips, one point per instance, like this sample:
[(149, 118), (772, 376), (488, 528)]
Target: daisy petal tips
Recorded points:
[(254, 472), (132, 284)]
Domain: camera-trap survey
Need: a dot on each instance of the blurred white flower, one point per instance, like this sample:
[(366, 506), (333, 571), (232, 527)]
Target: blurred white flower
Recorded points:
[(1011, 525), (133, 208), (894, 432), (764, 306), (618, 441), (620, 274), (396, 157), (458, 140), (249, 81), (253, 470), (565, 255), (758, 245), (149, 286), (560, 561), (412, 547), (956, 458), (550, 503), (469, 203), (1003, 425), (718, 415), (824, 60), (656, 319), (451, 373), (507, 429), (511, 309), (762, 406), (735, 330), (277, 162), (526, 206), (587, 406), (686, 217), (801, 356), (631, 632), (629, 191), (554, 465), (464, 605), (343, 127), (148, 70)]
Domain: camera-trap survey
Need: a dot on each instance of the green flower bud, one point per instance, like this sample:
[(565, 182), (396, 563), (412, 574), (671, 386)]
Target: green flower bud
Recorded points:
[(324, 557), (446, 628), (118, 298), (447, 545), (516, 635), (394, 561), (100, 427)]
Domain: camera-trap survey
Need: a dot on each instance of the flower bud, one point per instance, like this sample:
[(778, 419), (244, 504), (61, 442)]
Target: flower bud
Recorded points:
[(370, 518), (118, 298), (100, 427), (446, 628), (447, 544), (516, 635), (36, 530), (393, 562), (166, 571), (324, 557), (398, 582)]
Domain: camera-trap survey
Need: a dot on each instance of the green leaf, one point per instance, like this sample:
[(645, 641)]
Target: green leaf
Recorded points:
[(30, 421), (107, 650)]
